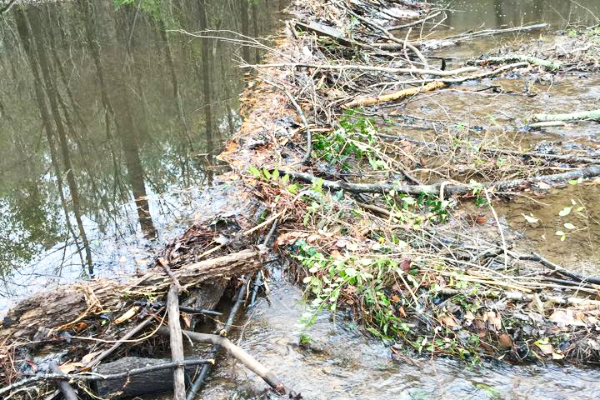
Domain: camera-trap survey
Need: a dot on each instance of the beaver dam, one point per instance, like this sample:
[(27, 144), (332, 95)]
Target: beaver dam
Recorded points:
[(405, 204)]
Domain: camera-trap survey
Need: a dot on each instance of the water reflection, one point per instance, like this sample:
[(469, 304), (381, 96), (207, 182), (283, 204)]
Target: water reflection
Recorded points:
[(494, 14), (107, 118)]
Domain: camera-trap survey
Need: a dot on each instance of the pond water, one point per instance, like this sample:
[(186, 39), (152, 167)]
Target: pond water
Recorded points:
[(109, 129), (496, 14)]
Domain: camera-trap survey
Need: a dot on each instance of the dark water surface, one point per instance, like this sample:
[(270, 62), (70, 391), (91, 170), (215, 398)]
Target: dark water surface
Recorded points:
[(101, 105)]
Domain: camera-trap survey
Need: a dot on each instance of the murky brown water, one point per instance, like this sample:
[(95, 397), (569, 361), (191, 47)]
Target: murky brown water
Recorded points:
[(101, 105)]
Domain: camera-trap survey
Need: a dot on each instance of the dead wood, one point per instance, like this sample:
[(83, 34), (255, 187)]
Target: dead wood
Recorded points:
[(67, 391), (369, 101), (200, 379), (447, 189), (553, 65), (240, 354), (61, 309), (576, 116), (87, 377), (176, 340)]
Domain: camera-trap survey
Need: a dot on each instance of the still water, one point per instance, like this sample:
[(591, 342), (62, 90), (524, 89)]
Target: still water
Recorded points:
[(109, 127)]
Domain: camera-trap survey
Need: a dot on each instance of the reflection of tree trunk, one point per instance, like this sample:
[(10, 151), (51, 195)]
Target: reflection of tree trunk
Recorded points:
[(499, 14), (93, 46), (245, 29), (176, 95), (63, 75), (128, 130), (51, 92), (28, 43), (206, 75)]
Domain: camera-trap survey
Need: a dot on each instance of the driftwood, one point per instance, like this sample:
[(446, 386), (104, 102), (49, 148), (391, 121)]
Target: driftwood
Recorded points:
[(240, 354), (456, 39), (369, 101), (125, 374), (157, 378), (447, 189), (370, 68), (60, 309), (576, 116), (490, 150), (176, 341)]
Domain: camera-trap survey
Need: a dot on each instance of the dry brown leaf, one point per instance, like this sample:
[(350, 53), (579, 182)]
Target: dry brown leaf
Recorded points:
[(450, 322), (505, 340), (289, 238)]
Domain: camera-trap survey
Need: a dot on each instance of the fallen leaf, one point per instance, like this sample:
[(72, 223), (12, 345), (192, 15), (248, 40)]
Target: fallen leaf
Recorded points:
[(405, 264), (90, 356), (69, 367), (530, 218), (289, 238), (545, 348), (313, 238), (505, 340), (128, 315), (187, 319), (450, 322), (493, 321), (564, 318)]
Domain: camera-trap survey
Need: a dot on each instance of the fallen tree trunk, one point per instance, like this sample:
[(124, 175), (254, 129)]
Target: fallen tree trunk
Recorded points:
[(576, 116), (50, 312), (157, 376), (124, 373)]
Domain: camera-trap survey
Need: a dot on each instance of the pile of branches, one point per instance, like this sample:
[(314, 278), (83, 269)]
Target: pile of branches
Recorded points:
[(379, 229), (69, 337)]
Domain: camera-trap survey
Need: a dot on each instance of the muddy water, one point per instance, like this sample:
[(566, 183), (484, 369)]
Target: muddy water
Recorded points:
[(496, 111), (109, 129)]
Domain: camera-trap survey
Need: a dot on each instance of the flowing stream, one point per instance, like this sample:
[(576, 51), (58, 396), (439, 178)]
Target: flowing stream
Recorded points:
[(110, 123)]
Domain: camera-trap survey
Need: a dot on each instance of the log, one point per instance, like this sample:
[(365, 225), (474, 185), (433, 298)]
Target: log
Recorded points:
[(47, 313), (553, 65), (125, 370), (152, 381), (176, 341), (369, 101), (448, 189), (576, 116), (240, 354)]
